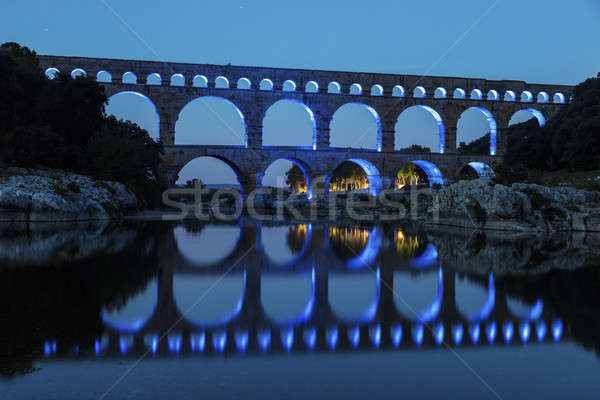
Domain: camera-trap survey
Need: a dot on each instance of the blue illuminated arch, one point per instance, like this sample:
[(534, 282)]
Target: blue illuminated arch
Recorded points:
[(532, 313), (427, 259), (145, 98), (434, 175), (369, 253), (483, 170), (186, 309), (104, 76), (229, 102), (78, 72), (52, 72), (129, 78), (492, 125), (297, 257), (132, 325), (375, 184), (244, 83), (187, 244), (306, 312), (370, 312), (537, 114), (438, 120), (310, 113), (373, 113), (433, 310)]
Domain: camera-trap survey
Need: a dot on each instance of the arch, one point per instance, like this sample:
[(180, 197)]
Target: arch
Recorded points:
[(459, 93), (200, 81), (244, 83), (438, 123), (285, 245), (177, 80), (302, 133), (129, 78), (469, 295), (78, 72), (481, 169), (533, 113), (154, 79), (476, 94), (222, 300), (306, 172), (419, 92), (288, 300), (542, 97), (416, 303), (221, 82), (375, 184), (311, 87), (434, 175), (266, 84), (104, 76), (558, 98), (363, 127), (52, 72), (377, 90), (525, 311), (210, 246), (222, 171), (220, 117), (493, 95), (491, 127), (526, 96), (289, 86), (427, 259), (334, 87), (354, 297), (136, 311), (367, 256), (355, 89), (440, 93), (509, 95), (136, 107), (398, 91)]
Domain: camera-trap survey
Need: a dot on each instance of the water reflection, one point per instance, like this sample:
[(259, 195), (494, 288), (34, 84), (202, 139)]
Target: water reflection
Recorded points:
[(289, 288)]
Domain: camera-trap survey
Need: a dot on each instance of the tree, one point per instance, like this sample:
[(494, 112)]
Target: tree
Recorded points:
[(416, 148), (478, 146), (295, 179), (408, 175)]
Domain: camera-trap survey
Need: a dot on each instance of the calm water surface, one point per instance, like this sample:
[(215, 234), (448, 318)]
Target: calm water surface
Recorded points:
[(190, 310)]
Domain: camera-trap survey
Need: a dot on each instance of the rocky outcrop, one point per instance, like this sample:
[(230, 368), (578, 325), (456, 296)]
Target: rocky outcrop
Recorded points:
[(53, 195), (481, 252), (482, 204)]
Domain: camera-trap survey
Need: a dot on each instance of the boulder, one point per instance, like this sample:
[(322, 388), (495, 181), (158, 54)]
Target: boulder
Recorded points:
[(53, 195)]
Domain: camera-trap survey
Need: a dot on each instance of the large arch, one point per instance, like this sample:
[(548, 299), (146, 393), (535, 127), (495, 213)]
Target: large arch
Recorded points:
[(279, 170), (222, 171), (372, 173), (472, 126), (480, 169), (527, 114), (434, 174), (210, 246), (416, 302), (289, 122), (209, 300), (288, 299), (211, 115), (419, 115), (136, 311), (355, 125), (135, 107), (285, 245), (354, 297), (474, 302)]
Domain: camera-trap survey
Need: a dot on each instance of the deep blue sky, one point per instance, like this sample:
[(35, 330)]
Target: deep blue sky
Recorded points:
[(547, 41)]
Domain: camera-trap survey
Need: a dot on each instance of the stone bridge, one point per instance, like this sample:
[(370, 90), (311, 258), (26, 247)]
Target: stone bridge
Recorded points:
[(172, 328), (252, 90)]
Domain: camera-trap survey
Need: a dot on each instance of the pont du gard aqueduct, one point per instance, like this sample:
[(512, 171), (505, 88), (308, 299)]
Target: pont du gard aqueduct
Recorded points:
[(252, 90)]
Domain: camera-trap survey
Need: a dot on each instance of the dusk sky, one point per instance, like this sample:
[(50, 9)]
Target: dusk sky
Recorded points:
[(537, 41)]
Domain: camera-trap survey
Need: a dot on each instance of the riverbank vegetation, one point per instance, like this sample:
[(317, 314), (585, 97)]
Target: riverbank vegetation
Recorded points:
[(61, 123)]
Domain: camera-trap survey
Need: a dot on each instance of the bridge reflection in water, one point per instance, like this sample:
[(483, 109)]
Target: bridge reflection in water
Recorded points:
[(329, 288)]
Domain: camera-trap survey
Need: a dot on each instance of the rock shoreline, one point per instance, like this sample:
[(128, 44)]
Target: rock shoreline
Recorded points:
[(35, 195)]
